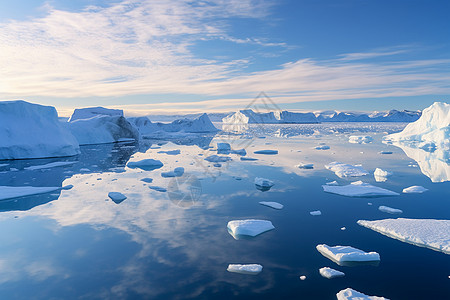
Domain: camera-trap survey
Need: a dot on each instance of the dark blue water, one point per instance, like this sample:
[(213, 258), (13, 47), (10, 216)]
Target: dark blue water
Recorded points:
[(77, 243)]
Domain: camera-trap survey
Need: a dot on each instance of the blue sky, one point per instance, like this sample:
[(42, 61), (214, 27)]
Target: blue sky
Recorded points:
[(154, 56)]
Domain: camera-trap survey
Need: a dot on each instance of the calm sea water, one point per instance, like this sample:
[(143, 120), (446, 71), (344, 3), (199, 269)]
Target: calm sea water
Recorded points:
[(79, 244)]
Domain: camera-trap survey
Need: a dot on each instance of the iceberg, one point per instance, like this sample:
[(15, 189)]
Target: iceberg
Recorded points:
[(30, 130), (360, 139), (428, 233), (315, 213), (251, 228), (89, 112), (145, 164), (358, 189), (10, 192), (381, 175), (117, 197), (102, 129), (432, 127), (267, 152), (274, 205), (51, 165), (390, 210), (345, 254), (350, 294), (263, 184), (330, 273), (252, 269), (415, 189), (345, 170), (248, 116)]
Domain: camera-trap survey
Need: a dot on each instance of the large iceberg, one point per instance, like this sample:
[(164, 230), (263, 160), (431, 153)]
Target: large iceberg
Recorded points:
[(433, 127), (30, 130), (248, 116), (350, 294), (358, 189), (89, 112), (429, 233)]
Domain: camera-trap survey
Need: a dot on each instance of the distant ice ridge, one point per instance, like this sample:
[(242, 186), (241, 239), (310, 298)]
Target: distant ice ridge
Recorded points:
[(432, 129), (358, 189), (350, 294), (429, 233), (248, 116), (342, 254), (252, 269), (30, 130), (345, 170), (391, 116)]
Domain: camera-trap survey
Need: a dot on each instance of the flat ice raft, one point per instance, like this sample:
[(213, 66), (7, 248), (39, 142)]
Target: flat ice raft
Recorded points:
[(238, 228), (343, 254), (345, 170), (429, 233), (252, 269), (10, 192), (358, 189), (351, 294)]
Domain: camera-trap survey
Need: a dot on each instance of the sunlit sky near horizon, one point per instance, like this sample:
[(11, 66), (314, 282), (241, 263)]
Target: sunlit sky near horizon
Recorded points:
[(174, 56)]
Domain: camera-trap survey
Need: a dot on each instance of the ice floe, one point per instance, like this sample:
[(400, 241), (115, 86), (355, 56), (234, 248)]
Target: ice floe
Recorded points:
[(351, 294), (30, 130), (251, 227), (332, 183), (315, 213), (177, 172), (251, 269), (157, 188), (247, 158), (330, 273), (390, 210), (145, 164), (275, 205), (345, 254), (170, 152), (117, 197), (305, 166), (263, 183), (221, 147), (381, 175), (10, 192), (322, 147), (429, 233), (415, 189), (147, 180), (217, 158), (345, 170), (360, 139), (51, 165), (267, 152), (358, 189), (386, 152), (302, 277)]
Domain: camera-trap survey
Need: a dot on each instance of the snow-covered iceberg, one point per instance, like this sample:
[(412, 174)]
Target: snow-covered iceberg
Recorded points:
[(251, 269), (248, 116), (330, 273), (242, 228), (351, 294), (415, 189), (433, 127), (345, 170), (346, 254), (89, 112), (30, 130), (358, 189), (429, 233), (381, 175)]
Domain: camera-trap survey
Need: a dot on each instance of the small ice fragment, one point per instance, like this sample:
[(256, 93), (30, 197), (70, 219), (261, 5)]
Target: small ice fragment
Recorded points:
[(147, 179), (217, 165), (157, 188), (332, 183), (248, 158), (350, 294), (241, 152), (170, 152), (415, 189), (369, 203), (267, 152), (323, 147), (237, 178), (263, 184), (145, 164), (305, 166), (315, 213), (117, 197), (390, 210), (330, 273), (342, 254), (84, 170), (358, 189), (251, 269), (386, 152), (346, 170), (360, 139), (223, 147), (249, 227), (217, 158), (303, 277), (343, 228), (275, 205), (381, 175)]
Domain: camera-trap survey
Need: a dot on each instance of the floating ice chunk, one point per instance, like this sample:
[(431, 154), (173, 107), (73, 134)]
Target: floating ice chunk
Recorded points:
[(263, 184), (315, 213), (343, 228), (147, 179), (177, 172), (275, 205), (302, 277), (429, 233), (381, 175), (217, 165), (241, 152), (330, 273), (246, 158), (117, 197), (252, 269), (4, 165), (51, 165), (223, 147), (10, 192), (239, 228), (268, 152), (385, 152), (85, 170), (415, 189), (332, 183), (145, 164), (217, 158), (345, 170), (350, 294), (358, 189), (343, 254), (360, 139), (389, 210), (157, 188), (170, 152), (322, 147), (305, 166)]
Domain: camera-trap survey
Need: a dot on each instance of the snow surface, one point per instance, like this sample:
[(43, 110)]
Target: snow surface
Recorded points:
[(267, 152), (102, 130), (89, 112), (341, 254), (330, 273), (274, 205), (145, 164), (249, 227), (360, 139), (10, 192), (247, 116), (415, 189), (432, 127), (30, 130), (252, 269), (358, 189), (350, 294), (116, 197), (51, 165), (429, 233), (345, 170), (389, 210)]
